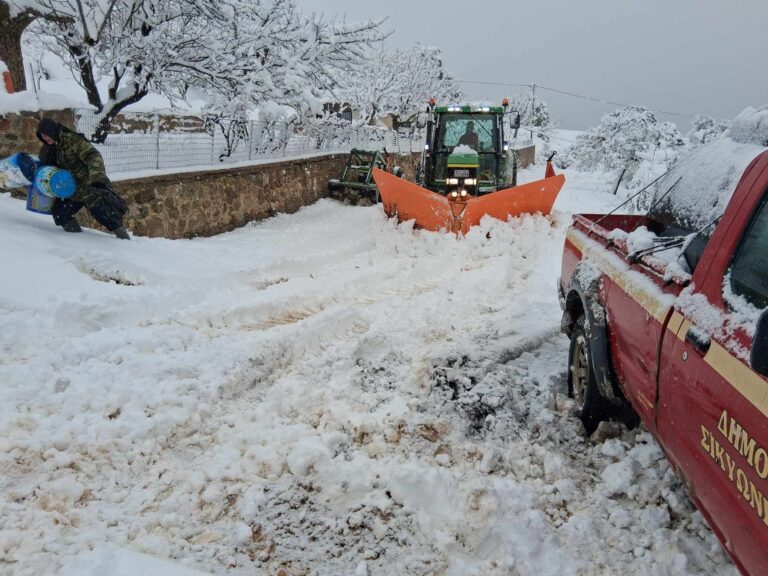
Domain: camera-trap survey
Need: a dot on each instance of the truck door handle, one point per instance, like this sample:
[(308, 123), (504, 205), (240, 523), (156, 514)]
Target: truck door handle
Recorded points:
[(698, 340)]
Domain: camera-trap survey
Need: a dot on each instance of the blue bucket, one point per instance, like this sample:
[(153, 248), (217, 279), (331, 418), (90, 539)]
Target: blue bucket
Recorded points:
[(37, 202), (55, 182), (17, 170)]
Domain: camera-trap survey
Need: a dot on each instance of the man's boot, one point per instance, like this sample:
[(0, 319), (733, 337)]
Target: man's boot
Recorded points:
[(121, 233), (71, 226)]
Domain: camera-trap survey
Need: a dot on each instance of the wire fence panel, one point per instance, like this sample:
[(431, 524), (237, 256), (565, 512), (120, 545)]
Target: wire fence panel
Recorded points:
[(151, 141)]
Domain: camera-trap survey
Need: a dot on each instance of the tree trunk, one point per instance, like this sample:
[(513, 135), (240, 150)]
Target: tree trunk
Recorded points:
[(10, 43), (87, 77), (104, 125)]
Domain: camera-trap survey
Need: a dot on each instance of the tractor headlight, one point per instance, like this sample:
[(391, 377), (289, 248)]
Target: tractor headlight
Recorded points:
[(453, 181), (454, 194), (463, 193), (470, 181)]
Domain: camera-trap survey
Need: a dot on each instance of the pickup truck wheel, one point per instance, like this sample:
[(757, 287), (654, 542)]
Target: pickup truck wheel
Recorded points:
[(582, 386)]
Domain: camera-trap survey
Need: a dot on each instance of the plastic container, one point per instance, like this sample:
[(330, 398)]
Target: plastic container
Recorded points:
[(17, 171), (55, 182), (37, 202)]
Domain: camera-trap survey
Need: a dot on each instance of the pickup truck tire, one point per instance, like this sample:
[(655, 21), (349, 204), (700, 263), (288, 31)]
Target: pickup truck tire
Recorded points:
[(582, 386)]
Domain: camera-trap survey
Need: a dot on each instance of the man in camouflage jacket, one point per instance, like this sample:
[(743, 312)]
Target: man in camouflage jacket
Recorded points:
[(71, 151)]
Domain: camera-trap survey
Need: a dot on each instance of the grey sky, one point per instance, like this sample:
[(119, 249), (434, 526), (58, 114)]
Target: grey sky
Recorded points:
[(687, 56)]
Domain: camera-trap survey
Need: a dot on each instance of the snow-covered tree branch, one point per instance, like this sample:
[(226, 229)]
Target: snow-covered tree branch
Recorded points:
[(250, 51), (623, 138), (400, 82)]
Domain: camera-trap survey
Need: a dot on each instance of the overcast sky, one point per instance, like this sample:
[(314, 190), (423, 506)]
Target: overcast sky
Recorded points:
[(686, 56)]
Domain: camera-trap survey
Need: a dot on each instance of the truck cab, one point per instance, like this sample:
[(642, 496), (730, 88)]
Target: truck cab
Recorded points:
[(683, 340)]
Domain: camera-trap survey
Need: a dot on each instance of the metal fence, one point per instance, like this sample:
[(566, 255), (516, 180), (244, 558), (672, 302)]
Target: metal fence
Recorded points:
[(155, 141)]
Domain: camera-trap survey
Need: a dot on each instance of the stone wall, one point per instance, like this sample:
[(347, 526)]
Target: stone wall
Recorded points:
[(190, 204), (185, 205)]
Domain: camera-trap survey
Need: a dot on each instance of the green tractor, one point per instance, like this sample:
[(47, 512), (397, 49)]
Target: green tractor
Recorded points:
[(466, 150), (468, 171)]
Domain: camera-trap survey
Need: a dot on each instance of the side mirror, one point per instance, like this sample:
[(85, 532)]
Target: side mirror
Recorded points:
[(759, 356)]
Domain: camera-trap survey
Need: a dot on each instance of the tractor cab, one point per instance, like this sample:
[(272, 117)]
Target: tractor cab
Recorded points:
[(465, 150)]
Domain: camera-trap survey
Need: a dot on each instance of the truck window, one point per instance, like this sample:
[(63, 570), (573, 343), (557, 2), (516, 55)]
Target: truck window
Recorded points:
[(749, 271)]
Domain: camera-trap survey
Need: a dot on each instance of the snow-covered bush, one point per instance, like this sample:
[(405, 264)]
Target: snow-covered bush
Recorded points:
[(705, 129), (623, 139), (751, 126)]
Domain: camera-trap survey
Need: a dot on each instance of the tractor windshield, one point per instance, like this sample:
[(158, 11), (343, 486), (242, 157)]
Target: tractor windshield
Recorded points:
[(479, 132), (474, 130)]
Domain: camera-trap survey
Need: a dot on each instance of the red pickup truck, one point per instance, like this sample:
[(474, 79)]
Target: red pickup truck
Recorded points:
[(668, 320)]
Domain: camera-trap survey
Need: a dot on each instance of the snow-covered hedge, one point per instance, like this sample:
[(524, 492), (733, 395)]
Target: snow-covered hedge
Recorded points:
[(751, 126), (705, 129)]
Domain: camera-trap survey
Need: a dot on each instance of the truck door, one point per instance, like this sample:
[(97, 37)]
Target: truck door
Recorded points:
[(712, 415), (634, 341)]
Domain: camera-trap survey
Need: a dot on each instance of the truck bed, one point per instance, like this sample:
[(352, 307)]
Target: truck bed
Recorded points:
[(673, 265)]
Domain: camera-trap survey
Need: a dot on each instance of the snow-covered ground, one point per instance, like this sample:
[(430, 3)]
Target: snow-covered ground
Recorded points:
[(325, 393)]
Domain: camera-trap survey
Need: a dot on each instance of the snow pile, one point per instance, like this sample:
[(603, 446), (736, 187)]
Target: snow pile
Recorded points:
[(751, 126), (665, 254), (28, 101), (324, 393), (115, 561), (464, 149)]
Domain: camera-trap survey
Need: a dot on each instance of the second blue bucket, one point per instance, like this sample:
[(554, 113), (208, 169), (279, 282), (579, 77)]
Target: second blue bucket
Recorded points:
[(55, 182), (17, 170)]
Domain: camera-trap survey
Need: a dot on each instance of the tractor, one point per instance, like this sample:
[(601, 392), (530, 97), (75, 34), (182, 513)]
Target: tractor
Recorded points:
[(467, 171), (463, 141)]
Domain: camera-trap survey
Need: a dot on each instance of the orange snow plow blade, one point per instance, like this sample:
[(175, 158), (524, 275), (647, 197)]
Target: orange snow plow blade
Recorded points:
[(408, 201), (538, 196), (432, 211)]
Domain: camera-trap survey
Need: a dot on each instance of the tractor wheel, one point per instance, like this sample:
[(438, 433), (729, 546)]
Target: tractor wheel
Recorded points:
[(582, 385)]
